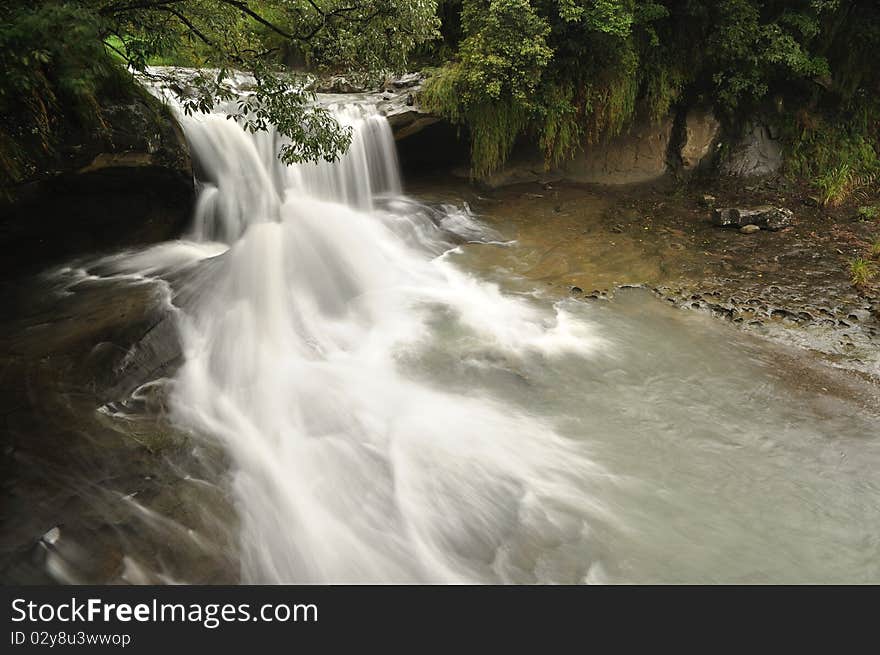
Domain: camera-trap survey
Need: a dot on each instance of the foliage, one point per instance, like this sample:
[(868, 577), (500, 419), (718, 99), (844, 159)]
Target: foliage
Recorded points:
[(868, 212), (492, 87), (750, 53), (840, 153), (517, 69), (58, 57), (577, 71), (835, 185), (565, 73), (45, 78), (861, 272), (312, 132)]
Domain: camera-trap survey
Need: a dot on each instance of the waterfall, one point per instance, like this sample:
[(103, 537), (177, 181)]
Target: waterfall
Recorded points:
[(336, 392), (305, 357), (242, 182)]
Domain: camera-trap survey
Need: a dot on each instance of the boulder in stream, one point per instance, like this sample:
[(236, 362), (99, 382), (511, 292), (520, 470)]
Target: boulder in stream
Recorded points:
[(765, 217)]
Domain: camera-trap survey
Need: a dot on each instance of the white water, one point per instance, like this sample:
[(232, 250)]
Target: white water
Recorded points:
[(385, 416), (347, 469), (243, 183)]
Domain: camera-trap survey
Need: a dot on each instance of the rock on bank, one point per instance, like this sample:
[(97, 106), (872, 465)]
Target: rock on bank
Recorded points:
[(125, 180)]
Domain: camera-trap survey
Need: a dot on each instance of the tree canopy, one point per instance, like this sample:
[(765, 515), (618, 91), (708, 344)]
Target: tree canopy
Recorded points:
[(59, 56), (570, 72), (563, 73)]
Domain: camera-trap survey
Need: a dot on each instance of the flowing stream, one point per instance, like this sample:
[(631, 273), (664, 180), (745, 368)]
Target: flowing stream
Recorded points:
[(349, 466), (393, 412)]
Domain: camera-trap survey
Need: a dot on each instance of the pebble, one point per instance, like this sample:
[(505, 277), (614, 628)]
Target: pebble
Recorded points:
[(52, 535), (749, 229)]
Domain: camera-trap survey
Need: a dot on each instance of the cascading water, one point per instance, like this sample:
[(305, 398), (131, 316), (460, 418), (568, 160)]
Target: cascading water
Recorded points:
[(348, 469), (378, 414), (242, 182)]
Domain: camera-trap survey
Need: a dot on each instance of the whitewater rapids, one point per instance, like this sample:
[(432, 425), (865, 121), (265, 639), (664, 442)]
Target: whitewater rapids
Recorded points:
[(346, 467)]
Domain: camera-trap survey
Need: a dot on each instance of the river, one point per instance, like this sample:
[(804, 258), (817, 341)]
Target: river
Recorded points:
[(368, 393)]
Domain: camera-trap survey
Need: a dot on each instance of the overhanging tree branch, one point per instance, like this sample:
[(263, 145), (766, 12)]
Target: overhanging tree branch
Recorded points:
[(192, 28), (243, 8), (135, 6)]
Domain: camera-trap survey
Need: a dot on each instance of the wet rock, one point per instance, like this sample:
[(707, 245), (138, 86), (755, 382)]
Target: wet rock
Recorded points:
[(156, 354), (781, 314), (638, 156), (726, 217), (406, 81), (755, 153), (766, 217), (749, 229), (338, 84), (52, 536), (779, 218), (123, 182), (701, 131), (401, 107)]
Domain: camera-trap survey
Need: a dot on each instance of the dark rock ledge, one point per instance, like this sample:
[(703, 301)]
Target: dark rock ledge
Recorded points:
[(127, 183)]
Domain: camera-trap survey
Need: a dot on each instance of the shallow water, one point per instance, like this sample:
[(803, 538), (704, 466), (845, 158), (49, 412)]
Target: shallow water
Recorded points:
[(369, 394)]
